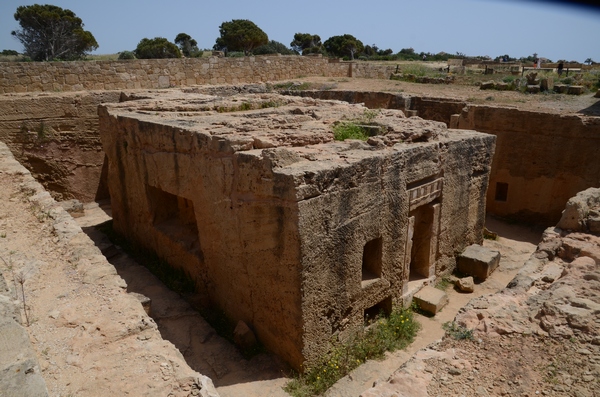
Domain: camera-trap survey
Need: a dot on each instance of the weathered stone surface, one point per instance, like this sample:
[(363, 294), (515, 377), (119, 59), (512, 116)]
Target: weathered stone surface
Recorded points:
[(478, 261), (19, 368), (582, 212), (575, 90), (266, 231), (465, 284), (487, 85), (430, 299)]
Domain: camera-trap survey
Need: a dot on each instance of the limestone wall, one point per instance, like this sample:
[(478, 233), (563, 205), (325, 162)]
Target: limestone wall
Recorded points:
[(164, 73), (541, 160), (56, 137)]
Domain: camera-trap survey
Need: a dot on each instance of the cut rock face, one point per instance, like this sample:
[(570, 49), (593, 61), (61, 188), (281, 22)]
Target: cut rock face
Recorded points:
[(294, 233)]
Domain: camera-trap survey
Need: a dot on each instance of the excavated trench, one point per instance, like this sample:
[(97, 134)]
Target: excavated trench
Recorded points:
[(530, 180)]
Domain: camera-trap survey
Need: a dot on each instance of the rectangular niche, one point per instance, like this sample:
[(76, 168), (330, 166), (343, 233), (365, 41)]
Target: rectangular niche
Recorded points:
[(174, 216), (384, 307), (501, 191), (371, 260)]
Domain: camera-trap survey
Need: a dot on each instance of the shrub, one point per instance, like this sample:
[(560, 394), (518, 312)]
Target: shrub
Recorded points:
[(457, 332), (349, 130), (126, 55), (158, 47), (385, 334)]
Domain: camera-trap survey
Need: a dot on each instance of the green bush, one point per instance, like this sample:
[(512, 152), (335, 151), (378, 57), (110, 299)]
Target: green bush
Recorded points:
[(126, 55), (156, 48), (385, 334), (349, 130)]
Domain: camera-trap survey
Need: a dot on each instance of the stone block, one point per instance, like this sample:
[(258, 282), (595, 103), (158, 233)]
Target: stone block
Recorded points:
[(478, 261), (430, 299), (533, 89), (465, 284), (560, 88), (487, 85), (243, 336), (575, 90)]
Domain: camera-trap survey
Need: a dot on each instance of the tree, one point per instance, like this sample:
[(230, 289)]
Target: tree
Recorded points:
[(49, 32), (306, 43), (589, 61), (240, 35), (273, 47), (158, 47), (346, 45), (187, 45)]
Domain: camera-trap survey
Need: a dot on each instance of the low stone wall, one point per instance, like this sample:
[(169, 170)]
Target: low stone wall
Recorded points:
[(164, 73)]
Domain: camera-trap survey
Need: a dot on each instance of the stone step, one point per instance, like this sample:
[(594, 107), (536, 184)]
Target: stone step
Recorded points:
[(430, 299)]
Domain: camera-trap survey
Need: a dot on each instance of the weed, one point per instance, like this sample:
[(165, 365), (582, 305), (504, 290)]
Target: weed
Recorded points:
[(20, 279), (355, 129), (3, 235), (245, 106), (443, 283), (349, 130), (489, 235), (386, 334), (457, 332), (270, 104)]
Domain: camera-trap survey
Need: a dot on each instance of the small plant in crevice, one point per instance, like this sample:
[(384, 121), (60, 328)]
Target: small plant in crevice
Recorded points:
[(384, 334), (456, 331), (357, 128), (349, 130)]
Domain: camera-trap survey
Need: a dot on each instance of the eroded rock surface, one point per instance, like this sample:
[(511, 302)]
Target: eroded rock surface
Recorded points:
[(90, 336)]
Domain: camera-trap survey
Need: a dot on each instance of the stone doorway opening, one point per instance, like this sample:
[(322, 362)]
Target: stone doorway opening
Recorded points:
[(421, 247)]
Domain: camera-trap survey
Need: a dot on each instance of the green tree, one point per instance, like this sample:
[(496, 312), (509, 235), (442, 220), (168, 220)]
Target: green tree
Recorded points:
[(273, 47), (240, 35), (306, 43), (346, 45), (589, 61), (49, 32), (187, 45), (158, 47)]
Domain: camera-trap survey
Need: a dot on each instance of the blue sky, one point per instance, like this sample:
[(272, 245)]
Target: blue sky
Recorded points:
[(472, 27)]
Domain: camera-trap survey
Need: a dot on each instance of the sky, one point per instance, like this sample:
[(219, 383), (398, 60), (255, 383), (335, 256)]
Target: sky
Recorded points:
[(519, 28)]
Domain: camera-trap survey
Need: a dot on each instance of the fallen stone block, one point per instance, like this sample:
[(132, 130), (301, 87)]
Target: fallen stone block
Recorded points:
[(487, 85), (533, 89), (465, 284), (575, 90), (430, 299), (478, 261)]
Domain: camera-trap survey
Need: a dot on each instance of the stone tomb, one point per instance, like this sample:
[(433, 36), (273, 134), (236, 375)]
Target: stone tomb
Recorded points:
[(281, 226)]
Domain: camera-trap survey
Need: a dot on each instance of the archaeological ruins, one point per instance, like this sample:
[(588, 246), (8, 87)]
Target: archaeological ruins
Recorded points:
[(296, 234), (242, 185)]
